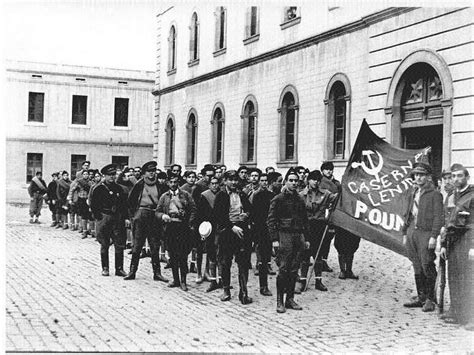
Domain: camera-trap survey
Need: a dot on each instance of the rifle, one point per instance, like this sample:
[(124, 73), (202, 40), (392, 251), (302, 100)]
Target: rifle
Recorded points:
[(442, 283)]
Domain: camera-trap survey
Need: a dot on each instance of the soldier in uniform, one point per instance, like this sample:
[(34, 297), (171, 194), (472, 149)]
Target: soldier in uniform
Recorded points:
[(37, 190), (457, 246), (53, 198), (142, 202), (232, 212), (317, 202), (423, 222), (106, 203), (176, 208), (288, 227)]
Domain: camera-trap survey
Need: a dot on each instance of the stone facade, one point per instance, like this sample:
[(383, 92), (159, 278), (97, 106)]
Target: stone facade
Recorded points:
[(56, 137), (367, 51)]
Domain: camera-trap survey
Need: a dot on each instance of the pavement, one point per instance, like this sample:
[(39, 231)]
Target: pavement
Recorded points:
[(57, 300)]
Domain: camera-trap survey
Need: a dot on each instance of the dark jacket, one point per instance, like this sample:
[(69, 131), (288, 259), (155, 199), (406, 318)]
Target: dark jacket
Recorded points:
[(221, 209), (332, 185), (35, 188), (52, 187), (136, 194), (317, 202), (460, 222), (430, 211), (287, 213), (260, 206), (62, 190), (189, 207), (106, 199)]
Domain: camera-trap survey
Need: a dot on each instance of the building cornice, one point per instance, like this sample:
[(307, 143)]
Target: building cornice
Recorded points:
[(307, 42), (88, 142)]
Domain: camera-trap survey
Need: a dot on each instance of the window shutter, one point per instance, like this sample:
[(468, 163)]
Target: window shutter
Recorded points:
[(248, 21), (217, 32)]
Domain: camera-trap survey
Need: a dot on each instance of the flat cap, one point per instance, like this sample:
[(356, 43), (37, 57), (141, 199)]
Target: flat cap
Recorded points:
[(149, 166), (109, 169), (421, 168), (457, 167)]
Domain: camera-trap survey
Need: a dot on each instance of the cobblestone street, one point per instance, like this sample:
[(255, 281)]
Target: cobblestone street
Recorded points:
[(57, 300)]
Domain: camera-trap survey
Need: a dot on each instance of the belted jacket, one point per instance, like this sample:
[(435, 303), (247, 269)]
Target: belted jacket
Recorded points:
[(287, 213), (187, 213), (135, 195)]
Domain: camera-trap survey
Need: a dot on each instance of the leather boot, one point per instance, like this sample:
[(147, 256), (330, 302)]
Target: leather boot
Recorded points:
[(119, 263), (207, 276), (301, 281), (280, 292), (226, 294), (183, 284), (104, 260), (429, 305), (263, 279), (349, 273), (420, 289), (157, 276), (290, 293), (133, 267), (243, 293), (212, 277), (342, 266), (175, 270), (105, 271), (318, 266)]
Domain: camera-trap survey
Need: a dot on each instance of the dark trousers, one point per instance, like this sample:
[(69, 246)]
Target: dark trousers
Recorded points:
[(179, 241), (315, 234), (289, 254), (146, 227), (230, 245), (111, 228), (461, 279), (422, 259), (36, 203), (211, 247)]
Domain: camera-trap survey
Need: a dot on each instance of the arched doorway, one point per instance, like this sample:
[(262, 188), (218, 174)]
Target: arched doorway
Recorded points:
[(420, 112)]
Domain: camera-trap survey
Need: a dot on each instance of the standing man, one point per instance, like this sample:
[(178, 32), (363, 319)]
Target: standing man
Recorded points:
[(288, 227), (84, 166), (232, 212), (301, 171), (253, 184), (37, 190), (328, 182), (458, 247), (205, 212), (317, 202), (175, 170), (106, 200), (142, 202), (242, 174), (176, 208), (423, 222), (53, 198), (62, 192), (260, 207)]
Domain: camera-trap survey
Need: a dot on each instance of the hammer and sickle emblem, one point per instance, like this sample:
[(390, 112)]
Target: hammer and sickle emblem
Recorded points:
[(372, 169)]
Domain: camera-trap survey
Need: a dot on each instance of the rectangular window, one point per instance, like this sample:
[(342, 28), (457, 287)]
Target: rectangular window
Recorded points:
[(121, 112), (220, 28), (291, 12), (251, 139), (34, 163), (79, 109), (120, 161), (290, 135), (35, 107), (253, 21), (76, 163), (339, 128)]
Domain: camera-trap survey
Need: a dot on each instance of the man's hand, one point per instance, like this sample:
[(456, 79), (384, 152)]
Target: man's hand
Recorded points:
[(276, 244), (239, 231), (443, 254), (405, 240), (127, 223), (166, 218), (306, 245), (432, 243)]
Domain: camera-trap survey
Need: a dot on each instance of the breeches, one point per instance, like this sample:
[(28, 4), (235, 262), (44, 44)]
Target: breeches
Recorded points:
[(111, 227), (421, 257), (290, 252)]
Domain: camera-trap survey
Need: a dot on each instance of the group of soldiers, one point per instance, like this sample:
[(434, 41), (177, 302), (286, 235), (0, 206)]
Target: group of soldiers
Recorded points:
[(227, 214)]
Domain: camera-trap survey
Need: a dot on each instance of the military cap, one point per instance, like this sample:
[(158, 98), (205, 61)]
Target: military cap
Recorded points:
[(149, 166), (231, 174), (456, 167), (421, 168), (327, 165), (315, 175), (109, 169), (445, 172)]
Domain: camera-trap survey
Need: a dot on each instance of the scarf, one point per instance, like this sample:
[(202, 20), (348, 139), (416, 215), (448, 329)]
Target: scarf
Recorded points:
[(83, 184), (38, 183), (64, 184)]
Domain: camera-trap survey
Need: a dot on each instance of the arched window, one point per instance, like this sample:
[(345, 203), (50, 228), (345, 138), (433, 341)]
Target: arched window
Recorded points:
[(194, 39), (249, 131), (191, 133), (337, 117), (288, 125), (172, 49), (170, 134), (218, 121)]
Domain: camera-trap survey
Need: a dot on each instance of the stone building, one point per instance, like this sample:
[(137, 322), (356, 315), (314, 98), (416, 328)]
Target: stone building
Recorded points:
[(60, 115), (282, 86)]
